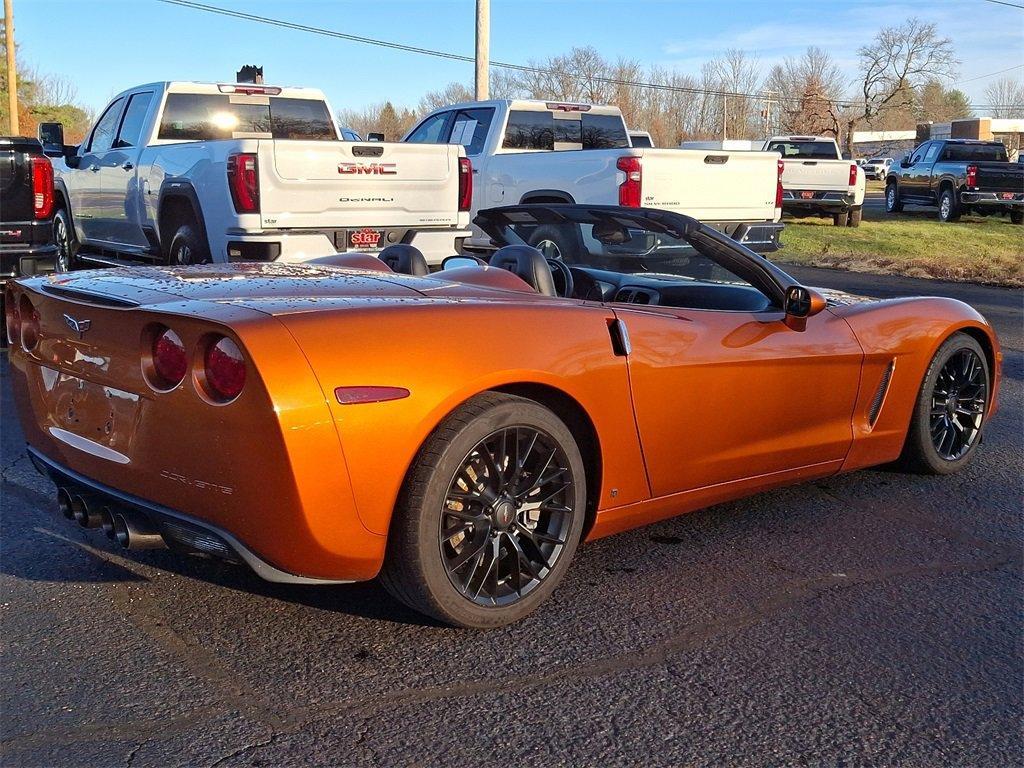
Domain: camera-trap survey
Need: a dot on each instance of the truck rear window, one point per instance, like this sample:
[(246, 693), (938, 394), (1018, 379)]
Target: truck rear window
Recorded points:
[(814, 150), (541, 131), (211, 116), (979, 152)]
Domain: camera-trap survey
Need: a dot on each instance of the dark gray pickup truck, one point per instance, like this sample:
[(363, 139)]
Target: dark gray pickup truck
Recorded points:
[(26, 209), (958, 176)]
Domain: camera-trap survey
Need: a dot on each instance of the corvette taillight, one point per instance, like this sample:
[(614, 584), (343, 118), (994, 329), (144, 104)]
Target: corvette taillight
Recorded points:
[(42, 187), (465, 184), (853, 174), (28, 321), (244, 182), (170, 360), (12, 320), (223, 369), (972, 175), (630, 189)]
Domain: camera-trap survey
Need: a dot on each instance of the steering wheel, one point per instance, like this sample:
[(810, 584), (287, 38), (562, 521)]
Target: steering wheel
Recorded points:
[(562, 276)]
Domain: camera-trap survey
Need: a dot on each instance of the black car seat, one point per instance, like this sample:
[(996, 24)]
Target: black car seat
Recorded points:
[(529, 264), (405, 259)]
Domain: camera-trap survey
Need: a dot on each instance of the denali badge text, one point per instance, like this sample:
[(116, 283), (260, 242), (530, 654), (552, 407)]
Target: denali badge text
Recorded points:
[(78, 326), (371, 169), (200, 484)]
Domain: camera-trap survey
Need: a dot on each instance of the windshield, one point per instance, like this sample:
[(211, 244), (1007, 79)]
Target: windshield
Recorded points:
[(820, 150)]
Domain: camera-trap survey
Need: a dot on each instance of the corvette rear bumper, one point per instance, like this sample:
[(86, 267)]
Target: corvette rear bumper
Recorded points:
[(178, 530)]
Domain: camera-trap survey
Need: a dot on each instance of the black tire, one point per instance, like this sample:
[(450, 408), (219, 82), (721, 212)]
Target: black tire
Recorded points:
[(1017, 217), (893, 204), (557, 242), (856, 215), (67, 244), (840, 219), (188, 247), (920, 452), (949, 206), (419, 567)]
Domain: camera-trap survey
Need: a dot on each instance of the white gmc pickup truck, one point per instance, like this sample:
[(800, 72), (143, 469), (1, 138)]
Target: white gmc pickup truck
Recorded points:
[(817, 181), (185, 173), (540, 152)]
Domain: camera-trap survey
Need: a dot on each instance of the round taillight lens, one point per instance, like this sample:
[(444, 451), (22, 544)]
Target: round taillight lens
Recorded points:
[(170, 363), (28, 319), (224, 369), (11, 318)]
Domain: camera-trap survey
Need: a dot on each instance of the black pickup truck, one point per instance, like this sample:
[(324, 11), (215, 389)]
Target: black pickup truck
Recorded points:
[(959, 176), (26, 209)]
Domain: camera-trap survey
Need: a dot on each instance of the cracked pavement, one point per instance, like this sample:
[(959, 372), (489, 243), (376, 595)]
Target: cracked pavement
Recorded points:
[(868, 619)]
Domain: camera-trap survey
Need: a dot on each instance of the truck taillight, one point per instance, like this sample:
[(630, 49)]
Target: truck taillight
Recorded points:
[(465, 184), (853, 174), (778, 184), (972, 175), (42, 187), (244, 181), (629, 190)]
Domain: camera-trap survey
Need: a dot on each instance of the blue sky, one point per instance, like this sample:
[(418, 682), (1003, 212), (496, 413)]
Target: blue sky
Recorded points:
[(104, 46)]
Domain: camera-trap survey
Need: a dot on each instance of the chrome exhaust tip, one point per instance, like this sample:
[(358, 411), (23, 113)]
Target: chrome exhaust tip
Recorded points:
[(85, 515), (65, 503), (136, 532), (107, 522)]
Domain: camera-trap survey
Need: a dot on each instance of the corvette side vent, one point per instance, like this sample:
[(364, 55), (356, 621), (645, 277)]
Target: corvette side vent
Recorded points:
[(879, 398)]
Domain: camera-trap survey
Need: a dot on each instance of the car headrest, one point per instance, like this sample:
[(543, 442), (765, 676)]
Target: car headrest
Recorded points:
[(405, 259), (527, 263)]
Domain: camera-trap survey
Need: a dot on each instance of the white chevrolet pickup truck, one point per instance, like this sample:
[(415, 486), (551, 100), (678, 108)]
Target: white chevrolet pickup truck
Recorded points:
[(185, 173), (541, 152), (817, 181)]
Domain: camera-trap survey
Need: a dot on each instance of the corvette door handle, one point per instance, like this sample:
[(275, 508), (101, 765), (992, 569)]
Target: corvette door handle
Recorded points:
[(127, 165), (621, 345)]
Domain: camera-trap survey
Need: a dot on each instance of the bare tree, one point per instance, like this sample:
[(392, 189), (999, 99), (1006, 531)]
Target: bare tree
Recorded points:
[(898, 62), (1006, 97), (805, 90), (453, 93)]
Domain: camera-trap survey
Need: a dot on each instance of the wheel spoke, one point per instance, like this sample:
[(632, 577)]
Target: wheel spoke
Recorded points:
[(497, 542)]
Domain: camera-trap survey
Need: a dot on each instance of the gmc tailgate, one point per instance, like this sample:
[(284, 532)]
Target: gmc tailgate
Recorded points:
[(327, 184), (815, 174), (711, 185)]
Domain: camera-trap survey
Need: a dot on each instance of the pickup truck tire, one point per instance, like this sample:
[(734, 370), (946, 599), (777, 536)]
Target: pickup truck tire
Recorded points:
[(1017, 217), (67, 244), (855, 217), (893, 204), (188, 247), (949, 207), (841, 219), (556, 242)]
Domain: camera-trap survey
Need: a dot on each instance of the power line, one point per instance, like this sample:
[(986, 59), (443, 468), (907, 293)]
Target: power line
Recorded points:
[(990, 74), (1003, 2), (191, 4)]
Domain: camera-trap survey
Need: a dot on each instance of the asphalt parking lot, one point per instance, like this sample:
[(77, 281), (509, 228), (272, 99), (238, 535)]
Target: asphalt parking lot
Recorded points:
[(870, 619)]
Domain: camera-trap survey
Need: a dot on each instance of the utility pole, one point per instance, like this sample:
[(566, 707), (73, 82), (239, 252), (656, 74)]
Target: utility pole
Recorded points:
[(725, 116), (483, 46), (12, 74)]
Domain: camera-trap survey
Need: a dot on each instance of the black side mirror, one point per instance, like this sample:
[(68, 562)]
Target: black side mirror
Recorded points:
[(905, 162), (802, 303), (375, 137), (51, 136), (71, 157)]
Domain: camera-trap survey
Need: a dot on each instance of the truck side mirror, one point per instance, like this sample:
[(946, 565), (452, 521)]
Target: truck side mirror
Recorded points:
[(51, 136), (375, 137), (905, 162)]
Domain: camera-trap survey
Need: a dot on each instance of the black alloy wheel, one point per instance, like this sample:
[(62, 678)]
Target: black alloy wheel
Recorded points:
[(64, 261), (952, 404), (958, 404), (507, 516)]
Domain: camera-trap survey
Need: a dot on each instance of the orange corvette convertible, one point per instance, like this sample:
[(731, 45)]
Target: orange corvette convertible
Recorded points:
[(459, 433)]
